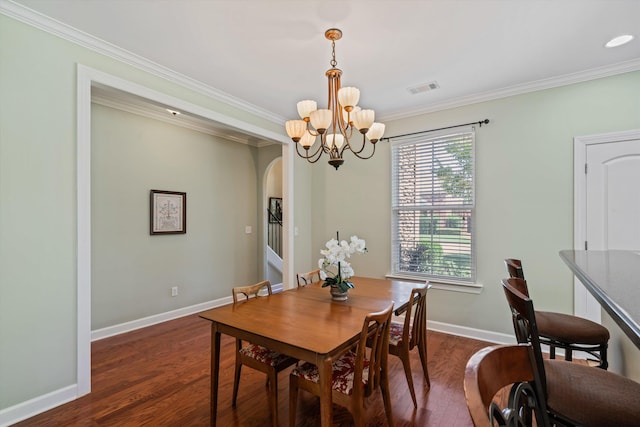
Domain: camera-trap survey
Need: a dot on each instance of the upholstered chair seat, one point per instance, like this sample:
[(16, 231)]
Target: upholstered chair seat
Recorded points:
[(591, 397), (567, 328), (558, 330)]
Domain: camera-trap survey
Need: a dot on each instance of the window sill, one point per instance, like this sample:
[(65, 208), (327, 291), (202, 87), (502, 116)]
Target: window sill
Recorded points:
[(465, 287)]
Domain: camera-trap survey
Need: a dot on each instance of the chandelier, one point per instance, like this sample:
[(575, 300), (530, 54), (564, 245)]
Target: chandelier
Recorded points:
[(334, 125)]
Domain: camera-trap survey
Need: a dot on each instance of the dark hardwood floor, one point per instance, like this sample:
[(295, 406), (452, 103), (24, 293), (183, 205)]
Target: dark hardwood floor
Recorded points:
[(159, 376)]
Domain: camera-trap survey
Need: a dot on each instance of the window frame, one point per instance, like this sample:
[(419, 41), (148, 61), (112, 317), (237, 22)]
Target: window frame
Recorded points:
[(442, 282)]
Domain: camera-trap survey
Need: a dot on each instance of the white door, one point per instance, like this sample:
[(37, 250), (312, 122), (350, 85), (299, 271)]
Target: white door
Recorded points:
[(610, 214), (613, 195)]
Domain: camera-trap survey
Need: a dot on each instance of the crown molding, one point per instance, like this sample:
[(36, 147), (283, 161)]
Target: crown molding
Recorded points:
[(66, 32), (185, 121), (52, 26), (553, 82)]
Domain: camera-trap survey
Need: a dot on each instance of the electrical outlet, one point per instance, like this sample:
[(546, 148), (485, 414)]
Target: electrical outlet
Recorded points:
[(174, 291)]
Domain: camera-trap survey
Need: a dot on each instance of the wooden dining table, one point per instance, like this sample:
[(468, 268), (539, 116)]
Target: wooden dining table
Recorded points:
[(305, 323)]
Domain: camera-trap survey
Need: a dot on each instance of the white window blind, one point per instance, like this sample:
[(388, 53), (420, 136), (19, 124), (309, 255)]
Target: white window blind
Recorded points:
[(433, 206)]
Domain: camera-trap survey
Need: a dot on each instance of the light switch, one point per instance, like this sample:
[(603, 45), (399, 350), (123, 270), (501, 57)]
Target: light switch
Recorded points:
[(248, 229)]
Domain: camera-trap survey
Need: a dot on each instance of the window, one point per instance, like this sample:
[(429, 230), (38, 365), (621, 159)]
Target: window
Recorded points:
[(432, 207)]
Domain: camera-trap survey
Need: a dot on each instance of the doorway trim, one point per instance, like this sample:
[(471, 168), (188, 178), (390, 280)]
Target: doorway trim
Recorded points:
[(584, 304), (265, 216), (86, 78)]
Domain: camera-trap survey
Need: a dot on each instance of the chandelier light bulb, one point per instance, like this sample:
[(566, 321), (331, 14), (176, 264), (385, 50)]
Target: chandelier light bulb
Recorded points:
[(335, 139), (363, 120), (307, 140), (375, 132), (296, 129), (306, 107), (321, 119), (348, 97)]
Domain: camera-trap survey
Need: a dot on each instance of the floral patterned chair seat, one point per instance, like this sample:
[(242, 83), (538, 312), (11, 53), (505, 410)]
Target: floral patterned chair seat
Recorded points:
[(343, 373), (263, 354)]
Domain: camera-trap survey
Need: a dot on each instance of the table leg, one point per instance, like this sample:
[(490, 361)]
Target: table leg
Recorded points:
[(215, 374), (326, 406)]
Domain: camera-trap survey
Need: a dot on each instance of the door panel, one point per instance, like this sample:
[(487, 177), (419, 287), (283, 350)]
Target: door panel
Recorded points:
[(613, 195)]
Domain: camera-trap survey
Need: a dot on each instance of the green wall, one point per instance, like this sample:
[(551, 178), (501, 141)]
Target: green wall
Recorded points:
[(524, 193), (38, 338), (132, 155)]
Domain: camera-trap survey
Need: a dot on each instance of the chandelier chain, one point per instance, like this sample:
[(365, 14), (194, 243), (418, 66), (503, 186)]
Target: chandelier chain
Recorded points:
[(333, 54)]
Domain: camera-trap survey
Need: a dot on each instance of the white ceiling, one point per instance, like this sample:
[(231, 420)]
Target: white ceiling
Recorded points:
[(272, 53)]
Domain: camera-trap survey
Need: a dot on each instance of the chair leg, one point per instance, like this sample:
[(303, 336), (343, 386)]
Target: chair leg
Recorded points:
[(568, 354), (293, 399), (273, 396), (236, 381), (422, 351), (386, 396), (604, 364), (357, 411), (552, 352), (406, 364)]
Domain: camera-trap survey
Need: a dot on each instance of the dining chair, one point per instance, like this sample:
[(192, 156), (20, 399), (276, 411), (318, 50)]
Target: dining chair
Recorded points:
[(412, 332), (256, 356), (573, 393), (307, 278), (559, 330), (488, 372), (356, 374)]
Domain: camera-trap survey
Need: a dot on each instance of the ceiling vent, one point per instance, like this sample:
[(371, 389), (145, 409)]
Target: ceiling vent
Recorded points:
[(424, 88)]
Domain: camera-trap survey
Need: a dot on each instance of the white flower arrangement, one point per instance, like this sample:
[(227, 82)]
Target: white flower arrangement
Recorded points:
[(334, 267)]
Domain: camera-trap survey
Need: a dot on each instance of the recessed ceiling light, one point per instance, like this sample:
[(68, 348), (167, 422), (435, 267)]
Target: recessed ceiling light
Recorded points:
[(174, 112), (619, 41)]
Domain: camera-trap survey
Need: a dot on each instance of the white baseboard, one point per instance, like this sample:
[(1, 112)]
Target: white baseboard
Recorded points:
[(110, 331), (476, 334), (37, 405), (491, 337)]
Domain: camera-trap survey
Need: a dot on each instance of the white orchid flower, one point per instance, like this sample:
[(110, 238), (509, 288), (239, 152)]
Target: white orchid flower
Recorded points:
[(335, 255)]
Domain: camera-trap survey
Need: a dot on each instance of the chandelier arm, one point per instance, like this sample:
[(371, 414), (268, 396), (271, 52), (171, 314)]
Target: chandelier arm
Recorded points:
[(306, 155), (319, 153), (364, 144), (365, 157)]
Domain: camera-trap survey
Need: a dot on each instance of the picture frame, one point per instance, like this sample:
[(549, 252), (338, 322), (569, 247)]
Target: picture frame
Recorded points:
[(275, 207), (168, 212)]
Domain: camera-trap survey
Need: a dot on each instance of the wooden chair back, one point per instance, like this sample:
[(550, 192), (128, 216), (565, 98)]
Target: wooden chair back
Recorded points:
[(250, 291), (525, 326), (350, 391), (375, 332), (415, 319), (514, 267), (307, 278), (490, 370)]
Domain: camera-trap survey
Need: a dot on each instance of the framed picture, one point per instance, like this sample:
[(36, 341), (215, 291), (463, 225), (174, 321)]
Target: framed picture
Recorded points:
[(168, 212), (275, 209)]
